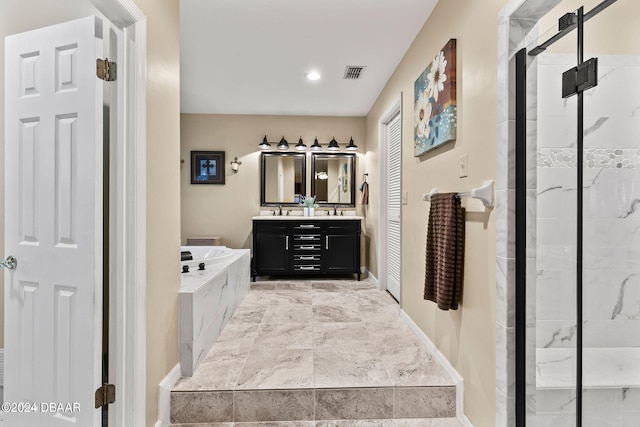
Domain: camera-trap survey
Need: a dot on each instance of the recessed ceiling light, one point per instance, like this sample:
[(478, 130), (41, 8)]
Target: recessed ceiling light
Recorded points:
[(313, 75)]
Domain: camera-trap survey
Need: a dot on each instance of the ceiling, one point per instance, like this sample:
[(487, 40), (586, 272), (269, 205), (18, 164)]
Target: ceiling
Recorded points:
[(251, 56)]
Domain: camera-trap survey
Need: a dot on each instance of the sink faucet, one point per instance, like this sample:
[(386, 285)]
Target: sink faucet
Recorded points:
[(280, 210), (335, 210)]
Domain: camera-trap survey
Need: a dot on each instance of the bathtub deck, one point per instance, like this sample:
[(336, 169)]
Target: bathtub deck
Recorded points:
[(313, 352)]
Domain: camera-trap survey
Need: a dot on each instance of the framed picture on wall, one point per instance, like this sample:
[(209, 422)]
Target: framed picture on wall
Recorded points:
[(435, 102), (207, 167)]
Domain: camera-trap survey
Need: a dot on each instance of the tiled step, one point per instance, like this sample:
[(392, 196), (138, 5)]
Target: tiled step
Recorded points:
[(315, 352), (313, 404), (409, 422)]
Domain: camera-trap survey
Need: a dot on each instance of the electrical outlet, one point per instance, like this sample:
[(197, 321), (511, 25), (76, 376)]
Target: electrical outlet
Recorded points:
[(464, 166), (405, 197)]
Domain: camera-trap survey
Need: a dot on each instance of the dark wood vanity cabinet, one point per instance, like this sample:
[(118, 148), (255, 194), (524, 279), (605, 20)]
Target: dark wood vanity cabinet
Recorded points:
[(306, 247), (271, 240), (342, 246)]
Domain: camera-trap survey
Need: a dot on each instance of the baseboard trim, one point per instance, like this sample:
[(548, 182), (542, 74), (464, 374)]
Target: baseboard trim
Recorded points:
[(445, 364), (1, 367), (164, 396), (374, 279)]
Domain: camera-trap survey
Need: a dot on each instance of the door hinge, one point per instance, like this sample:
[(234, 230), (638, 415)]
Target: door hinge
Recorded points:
[(105, 395), (107, 70), (580, 78)]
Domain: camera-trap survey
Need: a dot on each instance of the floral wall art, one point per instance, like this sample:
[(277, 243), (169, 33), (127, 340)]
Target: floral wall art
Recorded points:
[(435, 102)]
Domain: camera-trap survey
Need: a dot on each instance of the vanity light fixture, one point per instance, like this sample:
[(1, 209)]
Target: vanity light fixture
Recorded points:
[(333, 145), (264, 144), (351, 145), (316, 145), (283, 144), (300, 145), (234, 164)]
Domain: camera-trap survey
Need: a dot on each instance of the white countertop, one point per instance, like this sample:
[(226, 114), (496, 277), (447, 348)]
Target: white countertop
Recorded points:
[(306, 218)]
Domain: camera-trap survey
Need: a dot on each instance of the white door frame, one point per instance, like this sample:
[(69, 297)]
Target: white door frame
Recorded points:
[(396, 108), (128, 308)]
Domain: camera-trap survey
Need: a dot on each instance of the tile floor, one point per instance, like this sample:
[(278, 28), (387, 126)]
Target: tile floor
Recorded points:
[(317, 351)]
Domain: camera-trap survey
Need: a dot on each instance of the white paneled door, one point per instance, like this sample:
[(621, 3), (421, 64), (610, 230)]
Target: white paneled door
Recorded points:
[(53, 224), (394, 197)]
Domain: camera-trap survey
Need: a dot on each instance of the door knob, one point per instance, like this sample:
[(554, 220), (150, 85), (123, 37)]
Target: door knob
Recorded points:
[(10, 263)]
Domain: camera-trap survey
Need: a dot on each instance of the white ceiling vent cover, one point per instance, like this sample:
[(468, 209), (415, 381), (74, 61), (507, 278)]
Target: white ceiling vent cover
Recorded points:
[(354, 72)]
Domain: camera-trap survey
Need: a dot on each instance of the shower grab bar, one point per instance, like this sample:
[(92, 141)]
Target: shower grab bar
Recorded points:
[(484, 193)]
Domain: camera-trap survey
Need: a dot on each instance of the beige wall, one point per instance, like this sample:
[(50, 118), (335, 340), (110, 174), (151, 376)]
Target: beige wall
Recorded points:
[(226, 210), (163, 190), (466, 336), (613, 32)]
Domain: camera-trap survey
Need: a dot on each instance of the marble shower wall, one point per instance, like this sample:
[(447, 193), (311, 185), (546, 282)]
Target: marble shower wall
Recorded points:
[(611, 206)]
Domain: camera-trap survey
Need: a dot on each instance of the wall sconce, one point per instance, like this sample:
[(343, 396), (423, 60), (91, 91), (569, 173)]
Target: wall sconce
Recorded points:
[(316, 145), (283, 144), (264, 144), (333, 145), (234, 164), (300, 145)]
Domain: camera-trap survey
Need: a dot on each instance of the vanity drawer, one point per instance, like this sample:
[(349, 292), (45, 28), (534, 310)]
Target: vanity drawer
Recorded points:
[(271, 227), (344, 226), (307, 247), (306, 267), (307, 259), (302, 238), (309, 226)]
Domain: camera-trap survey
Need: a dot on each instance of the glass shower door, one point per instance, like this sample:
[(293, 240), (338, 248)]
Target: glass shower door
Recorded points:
[(582, 323), (611, 231), (551, 240)]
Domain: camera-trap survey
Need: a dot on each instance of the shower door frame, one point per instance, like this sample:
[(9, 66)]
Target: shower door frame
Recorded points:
[(577, 21)]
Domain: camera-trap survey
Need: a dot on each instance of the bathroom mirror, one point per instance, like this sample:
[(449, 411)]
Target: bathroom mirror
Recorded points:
[(333, 178), (283, 178)]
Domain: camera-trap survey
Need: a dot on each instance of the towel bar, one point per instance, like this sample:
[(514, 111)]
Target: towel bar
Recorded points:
[(484, 193)]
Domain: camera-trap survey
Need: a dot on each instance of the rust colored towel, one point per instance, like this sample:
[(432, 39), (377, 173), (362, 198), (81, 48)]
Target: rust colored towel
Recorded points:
[(445, 251), (364, 199)]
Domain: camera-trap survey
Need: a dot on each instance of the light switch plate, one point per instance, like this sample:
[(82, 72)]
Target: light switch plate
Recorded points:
[(464, 166), (405, 197)]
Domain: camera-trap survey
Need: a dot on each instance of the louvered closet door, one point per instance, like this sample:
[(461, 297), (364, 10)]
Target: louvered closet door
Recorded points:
[(394, 179)]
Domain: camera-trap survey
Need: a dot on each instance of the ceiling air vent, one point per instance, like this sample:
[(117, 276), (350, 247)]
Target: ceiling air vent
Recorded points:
[(354, 71)]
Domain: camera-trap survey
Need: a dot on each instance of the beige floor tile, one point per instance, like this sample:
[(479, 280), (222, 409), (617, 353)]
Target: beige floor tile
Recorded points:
[(343, 341), (276, 368)]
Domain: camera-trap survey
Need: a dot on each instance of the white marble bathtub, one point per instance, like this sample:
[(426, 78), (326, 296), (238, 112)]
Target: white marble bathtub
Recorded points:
[(208, 298), (207, 255)]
